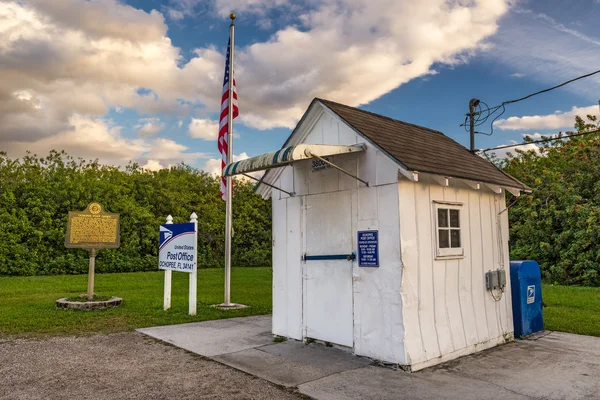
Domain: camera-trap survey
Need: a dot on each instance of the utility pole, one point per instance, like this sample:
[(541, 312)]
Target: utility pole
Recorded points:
[(473, 103)]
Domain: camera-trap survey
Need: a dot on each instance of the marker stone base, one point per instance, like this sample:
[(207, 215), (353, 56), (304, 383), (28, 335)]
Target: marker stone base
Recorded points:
[(89, 305), (230, 306)]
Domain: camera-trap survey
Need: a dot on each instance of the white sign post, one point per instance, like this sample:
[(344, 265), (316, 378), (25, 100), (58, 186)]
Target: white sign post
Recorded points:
[(194, 273), (177, 251), (168, 273)]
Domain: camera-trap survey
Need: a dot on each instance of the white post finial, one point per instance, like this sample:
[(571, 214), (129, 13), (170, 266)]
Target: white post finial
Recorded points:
[(169, 219), (193, 217)]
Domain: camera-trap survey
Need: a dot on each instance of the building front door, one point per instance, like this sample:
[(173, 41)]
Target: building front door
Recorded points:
[(327, 300)]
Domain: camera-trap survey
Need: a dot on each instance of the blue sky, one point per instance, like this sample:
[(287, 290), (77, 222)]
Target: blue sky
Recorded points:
[(140, 79)]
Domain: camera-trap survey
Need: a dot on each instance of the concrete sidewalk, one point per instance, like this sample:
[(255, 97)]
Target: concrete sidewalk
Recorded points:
[(556, 366)]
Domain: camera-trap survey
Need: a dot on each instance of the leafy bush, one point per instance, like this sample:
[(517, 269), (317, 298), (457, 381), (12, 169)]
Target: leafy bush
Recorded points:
[(36, 195), (558, 224)]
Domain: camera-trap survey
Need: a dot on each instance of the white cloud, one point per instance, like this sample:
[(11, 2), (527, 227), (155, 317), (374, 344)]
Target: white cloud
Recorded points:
[(547, 50), (538, 136), (213, 166), (152, 165), (79, 57), (352, 52), (206, 129), (89, 138), (558, 120), (226, 7), (175, 14), (503, 153), (180, 9), (517, 75), (65, 60), (170, 152), (149, 126), (97, 138)]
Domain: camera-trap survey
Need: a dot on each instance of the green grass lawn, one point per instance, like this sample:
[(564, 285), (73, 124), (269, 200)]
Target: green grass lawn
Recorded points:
[(27, 304), (572, 309)]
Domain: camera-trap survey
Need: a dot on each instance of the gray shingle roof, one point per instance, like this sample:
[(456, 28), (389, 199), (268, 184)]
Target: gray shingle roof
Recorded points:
[(421, 149)]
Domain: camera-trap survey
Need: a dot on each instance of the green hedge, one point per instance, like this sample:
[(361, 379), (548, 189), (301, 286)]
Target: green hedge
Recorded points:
[(558, 224), (36, 195)]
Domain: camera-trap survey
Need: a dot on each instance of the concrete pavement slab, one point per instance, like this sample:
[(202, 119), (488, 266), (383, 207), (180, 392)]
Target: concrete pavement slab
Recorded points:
[(329, 359), (386, 384), (292, 363), (211, 338), (271, 367), (559, 366)]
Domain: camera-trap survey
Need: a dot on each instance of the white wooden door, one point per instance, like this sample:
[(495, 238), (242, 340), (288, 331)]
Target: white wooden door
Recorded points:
[(327, 304)]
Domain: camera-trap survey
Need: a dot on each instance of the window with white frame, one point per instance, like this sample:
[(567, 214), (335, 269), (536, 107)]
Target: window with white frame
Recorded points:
[(448, 230)]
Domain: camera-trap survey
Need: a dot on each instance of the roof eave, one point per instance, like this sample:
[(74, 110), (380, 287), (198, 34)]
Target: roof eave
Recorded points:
[(309, 117)]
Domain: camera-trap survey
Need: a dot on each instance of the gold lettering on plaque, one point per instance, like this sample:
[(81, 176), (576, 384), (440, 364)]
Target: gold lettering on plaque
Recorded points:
[(93, 228)]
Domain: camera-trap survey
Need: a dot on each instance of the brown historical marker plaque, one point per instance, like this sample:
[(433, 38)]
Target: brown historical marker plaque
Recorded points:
[(93, 228)]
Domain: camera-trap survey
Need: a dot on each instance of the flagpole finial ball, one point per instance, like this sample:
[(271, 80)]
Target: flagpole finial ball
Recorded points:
[(232, 16)]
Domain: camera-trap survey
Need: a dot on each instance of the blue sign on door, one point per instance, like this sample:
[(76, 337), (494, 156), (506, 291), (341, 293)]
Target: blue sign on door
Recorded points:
[(368, 248)]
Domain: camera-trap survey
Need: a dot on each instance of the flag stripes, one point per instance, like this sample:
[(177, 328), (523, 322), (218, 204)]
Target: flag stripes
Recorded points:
[(223, 120)]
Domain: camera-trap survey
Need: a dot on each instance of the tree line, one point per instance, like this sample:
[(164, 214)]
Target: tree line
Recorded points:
[(36, 194), (558, 224)]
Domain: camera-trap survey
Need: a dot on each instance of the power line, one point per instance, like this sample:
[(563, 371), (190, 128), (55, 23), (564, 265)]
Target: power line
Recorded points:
[(490, 111), (549, 89), (540, 141)]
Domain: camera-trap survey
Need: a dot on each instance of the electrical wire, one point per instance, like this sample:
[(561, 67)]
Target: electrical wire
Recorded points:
[(539, 141), (496, 299), (491, 111), (480, 121), (552, 88)]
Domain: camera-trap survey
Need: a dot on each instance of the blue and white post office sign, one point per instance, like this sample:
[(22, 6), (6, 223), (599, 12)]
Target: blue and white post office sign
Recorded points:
[(368, 248), (177, 248)]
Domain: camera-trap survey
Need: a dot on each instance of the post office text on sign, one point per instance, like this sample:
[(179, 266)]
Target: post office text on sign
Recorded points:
[(177, 247), (368, 248)]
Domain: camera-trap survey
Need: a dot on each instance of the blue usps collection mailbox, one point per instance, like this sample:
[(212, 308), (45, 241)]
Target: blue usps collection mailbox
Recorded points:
[(526, 290)]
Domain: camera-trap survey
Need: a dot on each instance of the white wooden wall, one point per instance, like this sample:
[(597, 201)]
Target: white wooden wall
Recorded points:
[(378, 315), (287, 268), (447, 310), (377, 304), (372, 165)]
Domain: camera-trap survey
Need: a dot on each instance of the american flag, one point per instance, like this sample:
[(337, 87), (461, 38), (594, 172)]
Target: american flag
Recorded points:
[(223, 124)]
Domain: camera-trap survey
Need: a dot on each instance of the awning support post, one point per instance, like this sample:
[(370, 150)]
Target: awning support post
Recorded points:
[(310, 154), (269, 185)]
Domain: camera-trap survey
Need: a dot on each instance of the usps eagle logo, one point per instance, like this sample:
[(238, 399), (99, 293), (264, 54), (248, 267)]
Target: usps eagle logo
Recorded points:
[(165, 234)]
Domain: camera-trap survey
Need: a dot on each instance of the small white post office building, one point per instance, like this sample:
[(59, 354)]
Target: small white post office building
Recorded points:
[(384, 234)]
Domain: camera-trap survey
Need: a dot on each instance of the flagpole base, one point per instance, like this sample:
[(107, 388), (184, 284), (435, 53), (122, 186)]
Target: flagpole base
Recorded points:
[(229, 306)]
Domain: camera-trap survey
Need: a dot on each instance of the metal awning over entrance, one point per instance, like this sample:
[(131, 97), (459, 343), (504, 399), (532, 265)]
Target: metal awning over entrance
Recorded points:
[(288, 155)]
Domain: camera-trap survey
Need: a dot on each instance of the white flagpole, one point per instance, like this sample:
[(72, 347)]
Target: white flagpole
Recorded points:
[(228, 206)]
